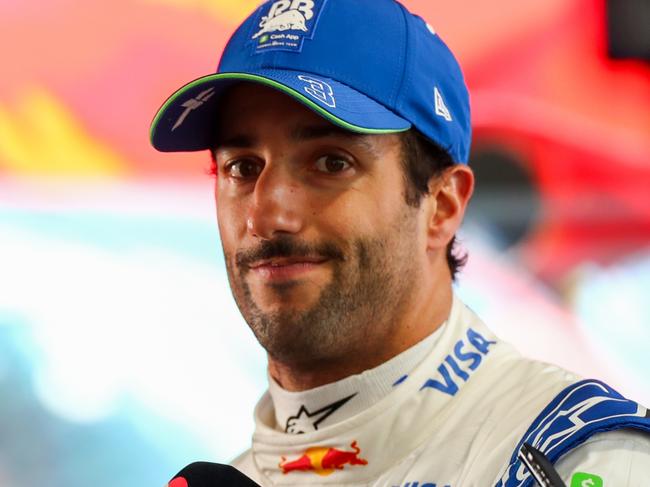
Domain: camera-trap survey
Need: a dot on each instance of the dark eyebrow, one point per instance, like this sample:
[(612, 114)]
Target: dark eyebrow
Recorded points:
[(311, 132), (308, 132), (299, 134), (237, 142)]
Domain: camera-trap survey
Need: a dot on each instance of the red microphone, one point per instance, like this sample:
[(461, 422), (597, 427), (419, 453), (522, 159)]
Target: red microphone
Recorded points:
[(206, 474)]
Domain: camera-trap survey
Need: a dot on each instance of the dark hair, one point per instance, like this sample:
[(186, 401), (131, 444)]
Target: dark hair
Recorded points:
[(422, 160)]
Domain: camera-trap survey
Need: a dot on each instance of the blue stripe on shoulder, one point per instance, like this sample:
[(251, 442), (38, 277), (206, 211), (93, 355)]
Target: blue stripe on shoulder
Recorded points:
[(578, 412)]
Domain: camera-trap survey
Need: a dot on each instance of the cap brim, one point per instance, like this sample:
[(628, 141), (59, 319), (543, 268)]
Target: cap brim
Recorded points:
[(185, 122)]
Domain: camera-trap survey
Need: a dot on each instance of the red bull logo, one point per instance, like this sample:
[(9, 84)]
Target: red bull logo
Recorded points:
[(323, 460)]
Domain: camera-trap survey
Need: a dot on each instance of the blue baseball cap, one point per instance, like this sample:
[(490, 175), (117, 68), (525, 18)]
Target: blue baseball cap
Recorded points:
[(369, 66)]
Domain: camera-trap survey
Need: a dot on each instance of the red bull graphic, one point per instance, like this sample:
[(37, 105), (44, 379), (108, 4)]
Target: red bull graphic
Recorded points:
[(324, 460), (291, 20), (285, 24)]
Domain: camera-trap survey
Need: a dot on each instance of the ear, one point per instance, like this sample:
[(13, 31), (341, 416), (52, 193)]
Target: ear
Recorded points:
[(448, 197)]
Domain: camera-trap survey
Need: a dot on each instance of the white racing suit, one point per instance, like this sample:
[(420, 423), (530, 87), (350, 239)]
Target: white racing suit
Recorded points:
[(457, 418)]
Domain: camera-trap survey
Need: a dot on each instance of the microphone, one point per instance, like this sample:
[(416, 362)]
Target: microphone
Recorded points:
[(206, 474), (539, 467)]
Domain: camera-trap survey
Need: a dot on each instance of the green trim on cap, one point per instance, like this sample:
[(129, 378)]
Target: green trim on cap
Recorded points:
[(273, 84)]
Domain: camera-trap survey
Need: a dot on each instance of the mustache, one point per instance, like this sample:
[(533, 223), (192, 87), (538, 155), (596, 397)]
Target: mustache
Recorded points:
[(285, 246)]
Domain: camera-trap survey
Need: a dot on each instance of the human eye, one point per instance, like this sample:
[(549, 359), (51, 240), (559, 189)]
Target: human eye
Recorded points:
[(243, 169), (332, 164)]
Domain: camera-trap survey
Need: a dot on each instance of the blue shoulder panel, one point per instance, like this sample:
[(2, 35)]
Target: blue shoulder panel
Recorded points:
[(578, 412)]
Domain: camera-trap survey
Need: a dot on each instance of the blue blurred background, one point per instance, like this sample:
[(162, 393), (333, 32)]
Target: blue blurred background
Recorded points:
[(122, 354)]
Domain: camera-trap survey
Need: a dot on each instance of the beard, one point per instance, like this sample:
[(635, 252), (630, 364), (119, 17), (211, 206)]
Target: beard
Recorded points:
[(371, 281)]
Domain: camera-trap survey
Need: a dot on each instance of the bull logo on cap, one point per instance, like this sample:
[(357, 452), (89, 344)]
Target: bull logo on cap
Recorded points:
[(287, 15)]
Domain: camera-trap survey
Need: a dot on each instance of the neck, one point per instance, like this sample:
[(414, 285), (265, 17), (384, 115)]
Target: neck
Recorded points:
[(424, 313)]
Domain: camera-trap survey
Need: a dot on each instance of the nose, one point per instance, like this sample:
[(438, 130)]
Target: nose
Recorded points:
[(277, 204)]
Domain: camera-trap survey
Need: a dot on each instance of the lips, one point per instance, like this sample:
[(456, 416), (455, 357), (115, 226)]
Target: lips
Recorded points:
[(286, 261), (285, 268)]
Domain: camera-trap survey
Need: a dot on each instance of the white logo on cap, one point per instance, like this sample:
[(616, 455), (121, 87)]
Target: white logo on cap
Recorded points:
[(319, 89), (287, 15), (192, 104), (441, 107)]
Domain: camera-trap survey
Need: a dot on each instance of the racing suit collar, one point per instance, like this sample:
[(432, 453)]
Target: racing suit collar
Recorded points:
[(306, 411)]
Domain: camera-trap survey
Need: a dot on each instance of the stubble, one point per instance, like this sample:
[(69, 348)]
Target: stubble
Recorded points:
[(372, 279)]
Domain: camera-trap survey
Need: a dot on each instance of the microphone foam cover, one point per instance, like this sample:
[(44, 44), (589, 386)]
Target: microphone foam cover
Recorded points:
[(206, 474)]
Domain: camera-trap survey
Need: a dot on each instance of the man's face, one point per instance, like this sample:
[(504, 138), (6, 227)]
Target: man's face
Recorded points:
[(321, 249)]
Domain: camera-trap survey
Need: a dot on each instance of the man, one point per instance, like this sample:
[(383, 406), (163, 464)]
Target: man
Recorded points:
[(340, 134)]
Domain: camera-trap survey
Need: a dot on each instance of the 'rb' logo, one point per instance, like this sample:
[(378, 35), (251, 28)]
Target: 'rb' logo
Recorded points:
[(287, 15)]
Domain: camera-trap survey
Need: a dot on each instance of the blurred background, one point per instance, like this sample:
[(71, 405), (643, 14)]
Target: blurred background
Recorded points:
[(122, 354)]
